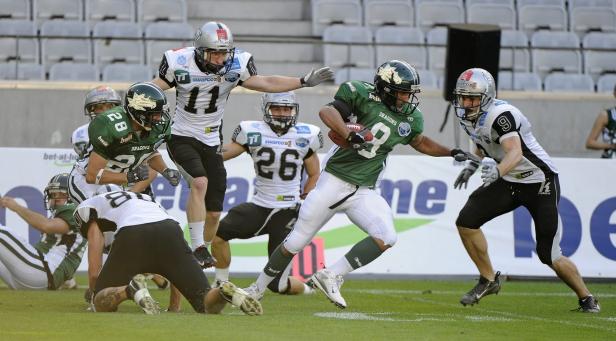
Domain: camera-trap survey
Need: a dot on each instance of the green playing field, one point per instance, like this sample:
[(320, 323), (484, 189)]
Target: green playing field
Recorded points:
[(378, 310)]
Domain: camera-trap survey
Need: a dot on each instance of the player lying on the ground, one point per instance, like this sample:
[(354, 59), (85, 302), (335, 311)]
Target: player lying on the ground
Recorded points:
[(54, 259), (147, 240)]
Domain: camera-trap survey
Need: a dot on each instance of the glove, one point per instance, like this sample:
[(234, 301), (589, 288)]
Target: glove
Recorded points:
[(460, 156), (88, 296), (172, 175), (489, 172), (316, 77), (465, 174), (357, 141), (142, 172)]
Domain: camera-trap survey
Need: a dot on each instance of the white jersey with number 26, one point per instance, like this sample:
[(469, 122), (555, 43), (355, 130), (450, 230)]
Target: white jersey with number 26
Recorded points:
[(201, 96)]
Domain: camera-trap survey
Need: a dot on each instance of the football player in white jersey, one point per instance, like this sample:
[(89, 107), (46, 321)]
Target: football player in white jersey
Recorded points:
[(280, 148), (147, 239), (204, 76), (516, 172)]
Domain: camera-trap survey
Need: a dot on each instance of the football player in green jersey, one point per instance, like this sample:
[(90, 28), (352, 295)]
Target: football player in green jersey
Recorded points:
[(53, 260), (604, 126), (125, 139), (388, 108)]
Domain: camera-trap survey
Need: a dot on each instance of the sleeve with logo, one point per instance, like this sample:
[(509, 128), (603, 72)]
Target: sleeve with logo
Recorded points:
[(239, 134), (100, 136), (316, 138), (166, 70), (505, 125)]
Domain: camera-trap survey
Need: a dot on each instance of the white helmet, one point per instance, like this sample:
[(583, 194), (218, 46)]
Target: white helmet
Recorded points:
[(214, 37), (474, 82), (99, 95), (279, 124)]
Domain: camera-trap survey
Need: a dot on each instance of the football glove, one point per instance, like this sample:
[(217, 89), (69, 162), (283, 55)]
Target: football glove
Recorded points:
[(465, 174), (489, 173), (357, 140), (316, 77), (142, 172), (172, 175)]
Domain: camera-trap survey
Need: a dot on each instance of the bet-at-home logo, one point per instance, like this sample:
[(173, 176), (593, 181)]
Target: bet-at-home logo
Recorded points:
[(182, 76)]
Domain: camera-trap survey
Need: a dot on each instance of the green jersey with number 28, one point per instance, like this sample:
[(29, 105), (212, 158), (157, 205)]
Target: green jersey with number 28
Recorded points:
[(389, 128), (112, 137)]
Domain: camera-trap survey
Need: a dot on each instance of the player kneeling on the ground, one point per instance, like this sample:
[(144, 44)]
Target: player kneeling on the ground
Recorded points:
[(147, 240), (52, 261)]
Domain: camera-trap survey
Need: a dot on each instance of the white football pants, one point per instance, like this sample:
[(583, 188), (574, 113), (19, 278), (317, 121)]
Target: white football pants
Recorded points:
[(366, 209), (20, 264)]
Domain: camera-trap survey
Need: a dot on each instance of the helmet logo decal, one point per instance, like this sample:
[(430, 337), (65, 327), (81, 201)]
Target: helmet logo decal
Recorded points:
[(467, 75), (141, 102), (222, 34), (389, 72)]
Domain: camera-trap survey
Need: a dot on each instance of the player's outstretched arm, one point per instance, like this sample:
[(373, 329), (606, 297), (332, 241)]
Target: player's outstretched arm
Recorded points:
[(283, 83), (232, 150), (37, 220), (428, 146)]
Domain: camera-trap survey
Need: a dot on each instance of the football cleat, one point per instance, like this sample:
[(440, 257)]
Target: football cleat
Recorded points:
[(240, 298), (588, 304), (204, 257), (330, 285), (483, 288), (254, 292), (137, 290)]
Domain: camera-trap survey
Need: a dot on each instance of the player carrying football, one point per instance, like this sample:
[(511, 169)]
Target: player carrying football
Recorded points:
[(388, 109)]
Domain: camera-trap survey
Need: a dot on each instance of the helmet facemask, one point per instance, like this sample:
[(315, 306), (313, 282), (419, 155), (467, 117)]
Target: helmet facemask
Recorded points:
[(397, 85), (402, 102), (147, 105), (56, 192), (211, 41), (474, 94), (204, 58), (99, 100)]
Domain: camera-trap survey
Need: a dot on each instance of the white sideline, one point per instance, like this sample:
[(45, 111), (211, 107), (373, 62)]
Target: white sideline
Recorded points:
[(452, 292)]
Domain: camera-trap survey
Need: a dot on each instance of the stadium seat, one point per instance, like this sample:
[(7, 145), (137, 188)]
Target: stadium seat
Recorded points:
[(26, 50), (499, 14), (606, 83), (116, 10), (17, 28), (108, 50), (169, 30), (21, 71), (352, 47), (592, 15), (514, 53), (130, 73), (520, 81), (427, 79), (409, 45), (354, 74), (438, 13), (388, 12), (15, 9), (161, 10), (75, 47), (534, 15), (437, 50), (599, 54), (335, 12), (555, 51), (568, 82), (57, 9), (73, 72), (154, 50)]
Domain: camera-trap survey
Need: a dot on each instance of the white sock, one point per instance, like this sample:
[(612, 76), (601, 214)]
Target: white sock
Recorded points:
[(196, 234), (341, 267), (308, 290), (222, 274), (263, 280)]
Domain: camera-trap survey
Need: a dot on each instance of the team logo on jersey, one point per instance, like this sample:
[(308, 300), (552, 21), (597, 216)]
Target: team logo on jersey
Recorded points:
[(103, 142), (302, 129), (236, 64), (232, 76), (181, 60), (287, 143), (182, 76), (404, 129), (253, 139), (126, 139), (301, 142)]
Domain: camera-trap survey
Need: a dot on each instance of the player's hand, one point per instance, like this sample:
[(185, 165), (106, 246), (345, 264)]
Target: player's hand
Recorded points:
[(460, 156), (357, 140), (8, 202), (465, 174), (489, 173), (142, 172), (172, 175), (318, 76)]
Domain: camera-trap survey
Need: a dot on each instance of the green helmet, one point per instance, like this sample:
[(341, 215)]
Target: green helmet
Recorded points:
[(397, 76), (146, 104), (57, 184)]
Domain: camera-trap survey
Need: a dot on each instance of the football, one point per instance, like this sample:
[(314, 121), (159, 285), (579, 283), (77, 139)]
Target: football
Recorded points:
[(356, 127)]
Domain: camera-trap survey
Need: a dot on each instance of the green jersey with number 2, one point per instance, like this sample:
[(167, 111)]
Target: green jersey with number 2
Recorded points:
[(112, 137), (389, 128)]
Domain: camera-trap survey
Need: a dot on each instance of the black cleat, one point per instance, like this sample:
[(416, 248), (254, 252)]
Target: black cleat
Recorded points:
[(204, 257), (483, 288), (588, 304)]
